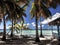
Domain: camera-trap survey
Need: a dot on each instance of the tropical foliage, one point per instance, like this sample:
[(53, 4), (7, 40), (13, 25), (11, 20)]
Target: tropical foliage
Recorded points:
[(19, 27), (41, 9), (12, 8), (38, 10), (51, 3)]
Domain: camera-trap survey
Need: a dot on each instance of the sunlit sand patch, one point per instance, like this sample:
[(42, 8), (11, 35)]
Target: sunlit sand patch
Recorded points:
[(54, 40), (30, 41), (48, 44), (42, 38), (2, 41)]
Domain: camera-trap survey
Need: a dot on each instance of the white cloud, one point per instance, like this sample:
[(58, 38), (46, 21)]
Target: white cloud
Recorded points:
[(42, 25), (38, 26), (28, 24), (33, 23)]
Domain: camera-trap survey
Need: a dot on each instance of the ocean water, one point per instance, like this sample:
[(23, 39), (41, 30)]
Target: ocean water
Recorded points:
[(33, 32)]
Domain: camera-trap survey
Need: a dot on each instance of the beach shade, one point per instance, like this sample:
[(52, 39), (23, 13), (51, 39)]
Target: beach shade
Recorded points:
[(55, 20), (57, 23), (48, 20)]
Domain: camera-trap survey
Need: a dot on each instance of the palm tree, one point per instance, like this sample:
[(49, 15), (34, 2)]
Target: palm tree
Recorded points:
[(6, 7), (16, 18), (22, 22), (16, 15), (3, 12), (39, 9), (21, 26), (14, 11), (18, 27), (41, 34)]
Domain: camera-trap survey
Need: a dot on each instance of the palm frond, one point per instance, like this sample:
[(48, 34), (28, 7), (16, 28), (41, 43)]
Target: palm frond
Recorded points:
[(45, 9), (21, 2), (10, 5), (51, 3), (32, 11)]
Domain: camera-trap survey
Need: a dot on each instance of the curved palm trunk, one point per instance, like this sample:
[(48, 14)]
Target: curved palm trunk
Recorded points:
[(4, 33), (37, 36), (12, 28), (41, 35)]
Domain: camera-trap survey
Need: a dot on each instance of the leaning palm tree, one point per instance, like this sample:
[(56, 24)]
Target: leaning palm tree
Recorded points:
[(39, 9)]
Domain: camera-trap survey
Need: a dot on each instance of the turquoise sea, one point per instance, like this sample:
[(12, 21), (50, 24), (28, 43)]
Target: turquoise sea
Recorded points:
[(33, 32)]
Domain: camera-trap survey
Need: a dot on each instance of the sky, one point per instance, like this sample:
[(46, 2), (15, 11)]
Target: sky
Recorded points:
[(32, 22)]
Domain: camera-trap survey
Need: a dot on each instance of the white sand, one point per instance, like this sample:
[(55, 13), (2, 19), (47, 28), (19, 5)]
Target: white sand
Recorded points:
[(27, 41)]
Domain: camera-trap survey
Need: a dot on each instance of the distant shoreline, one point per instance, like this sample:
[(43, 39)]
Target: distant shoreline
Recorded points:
[(33, 29)]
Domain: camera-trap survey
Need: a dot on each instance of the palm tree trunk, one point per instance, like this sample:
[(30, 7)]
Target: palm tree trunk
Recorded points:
[(58, 32), (12, 28), (21, 31), (4, 33), (52, 29), (41, 35), (58, 29), (37, 36)]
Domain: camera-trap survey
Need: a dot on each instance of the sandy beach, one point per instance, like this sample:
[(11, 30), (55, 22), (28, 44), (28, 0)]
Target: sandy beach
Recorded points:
[(29, 41)]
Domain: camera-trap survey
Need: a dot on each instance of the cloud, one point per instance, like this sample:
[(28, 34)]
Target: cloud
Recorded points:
[(28, 23), (38, 26), (42, 25), (33, 24)]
